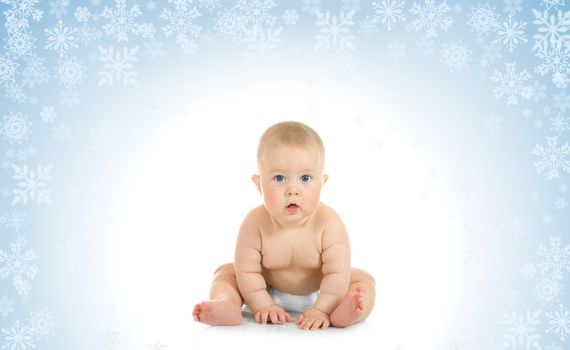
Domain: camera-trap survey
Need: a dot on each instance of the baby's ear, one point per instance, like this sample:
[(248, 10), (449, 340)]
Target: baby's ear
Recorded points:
[(255, 179), (325, 178)]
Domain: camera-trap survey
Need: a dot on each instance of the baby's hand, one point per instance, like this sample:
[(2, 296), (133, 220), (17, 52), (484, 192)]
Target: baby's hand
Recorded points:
[(273, 313), (313, 319)]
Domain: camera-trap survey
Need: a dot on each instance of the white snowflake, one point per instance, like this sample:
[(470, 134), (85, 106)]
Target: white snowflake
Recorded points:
[(521, 330), (491, 53), (230, 24), (7, 68), (15, 128), (20, 44), (256, 13), (553, 158), (511, 84), (512, 6), (61, 38), (367, 26), (181, 22), (101, 137), (552, 30), (397, 49), (36, 72), (48, 114), (511, 33), (555, 258), (20, 12), (350, 5), (456, 56), (389, 12), (110, 338), (290, 17), (559, 124), (68, 254), (430, 17), (31, 184), (14, 220), (335, 31), (188, 46), (86, 34), (560, 203), (6, 306), (483, 20), (157, 346), (561, 101), (17, 337), (58, 8), (69, 97), (557, 61), (560, 80), (122, 21), (559, 322), (82, 14), (262, 44), (547, 219), (154, 50), (26, 153), (547, 290), (538, 91), (70, 72), (15, 92), (18, 265), (455, 344), (553, 3), (424, 47), (61, 133), (210, 5), (118, 67), (312, 7), (493, 123), (42, 323)]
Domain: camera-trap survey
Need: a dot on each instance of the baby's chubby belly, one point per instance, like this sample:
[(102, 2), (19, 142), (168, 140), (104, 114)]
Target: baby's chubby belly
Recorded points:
[(294, 280)]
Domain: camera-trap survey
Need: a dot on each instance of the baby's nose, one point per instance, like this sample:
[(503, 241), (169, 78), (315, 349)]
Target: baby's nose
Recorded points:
[(293, 192)]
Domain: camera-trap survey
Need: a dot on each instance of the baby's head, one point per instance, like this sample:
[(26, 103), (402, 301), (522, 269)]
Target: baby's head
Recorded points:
[(291, 134), (291, 159)]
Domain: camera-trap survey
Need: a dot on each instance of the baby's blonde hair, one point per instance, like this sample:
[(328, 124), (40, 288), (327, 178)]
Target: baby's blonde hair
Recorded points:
[(290, 134)]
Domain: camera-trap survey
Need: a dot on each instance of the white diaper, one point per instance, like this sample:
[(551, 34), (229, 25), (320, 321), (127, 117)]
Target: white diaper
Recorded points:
[(291, 302)]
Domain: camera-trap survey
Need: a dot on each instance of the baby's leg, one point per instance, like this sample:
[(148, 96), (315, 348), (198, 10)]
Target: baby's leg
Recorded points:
[(358, 302), (224, 306)]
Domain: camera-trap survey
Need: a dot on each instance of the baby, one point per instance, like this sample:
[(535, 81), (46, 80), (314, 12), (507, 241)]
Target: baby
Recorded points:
[(292, 252)]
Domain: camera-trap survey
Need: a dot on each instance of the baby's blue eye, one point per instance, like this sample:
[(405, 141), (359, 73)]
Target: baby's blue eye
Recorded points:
[(279, 178), (306, 178)]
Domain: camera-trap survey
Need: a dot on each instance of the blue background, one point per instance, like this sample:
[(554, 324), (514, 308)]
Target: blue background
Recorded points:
[(126, 151)]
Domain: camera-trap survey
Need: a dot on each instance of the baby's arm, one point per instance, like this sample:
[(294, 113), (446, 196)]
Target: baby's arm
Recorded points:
[(336, 266), (250, 282)]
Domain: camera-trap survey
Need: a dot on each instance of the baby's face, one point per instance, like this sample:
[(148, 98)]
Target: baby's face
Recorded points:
[(290, 180)]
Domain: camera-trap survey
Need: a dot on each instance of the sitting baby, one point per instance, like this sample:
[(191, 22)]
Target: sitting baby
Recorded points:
[(292, 252)]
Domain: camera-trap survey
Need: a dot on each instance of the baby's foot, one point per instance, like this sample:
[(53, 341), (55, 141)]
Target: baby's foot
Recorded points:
[(350, 308), (219, 312)]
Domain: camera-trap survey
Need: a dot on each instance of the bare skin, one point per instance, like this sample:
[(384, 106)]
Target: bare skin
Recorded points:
[(295, 275), (295, 244), (224, 306), (354, 307)]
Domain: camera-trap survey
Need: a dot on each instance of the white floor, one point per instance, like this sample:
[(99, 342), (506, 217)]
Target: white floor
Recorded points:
[(253, 335)]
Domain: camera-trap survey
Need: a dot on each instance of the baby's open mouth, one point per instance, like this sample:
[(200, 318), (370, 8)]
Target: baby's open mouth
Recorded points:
[(292, 205)]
